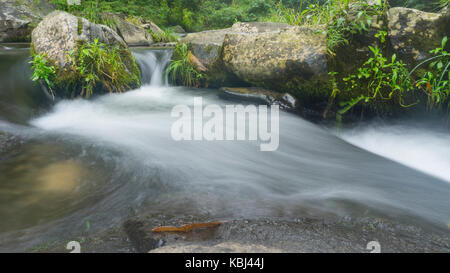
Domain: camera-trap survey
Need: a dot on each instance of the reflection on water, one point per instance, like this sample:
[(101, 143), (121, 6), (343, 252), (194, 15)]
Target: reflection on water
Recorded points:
[(38, 184), (60, 177)]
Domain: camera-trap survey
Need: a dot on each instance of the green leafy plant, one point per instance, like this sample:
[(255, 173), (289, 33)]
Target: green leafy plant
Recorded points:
[(43, 71), (380, 79), (181, 69), (435, 81)]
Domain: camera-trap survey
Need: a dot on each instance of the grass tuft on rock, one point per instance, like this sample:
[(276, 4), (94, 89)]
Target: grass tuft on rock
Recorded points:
[(95, 67)]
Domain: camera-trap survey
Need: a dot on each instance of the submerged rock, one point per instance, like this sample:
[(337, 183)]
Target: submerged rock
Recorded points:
[(7, 143), (18, 18), (58, 38), (132, 34), (140, 237), (413, 33)]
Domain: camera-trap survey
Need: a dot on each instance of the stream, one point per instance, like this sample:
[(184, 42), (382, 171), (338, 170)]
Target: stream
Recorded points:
[(74, 164)]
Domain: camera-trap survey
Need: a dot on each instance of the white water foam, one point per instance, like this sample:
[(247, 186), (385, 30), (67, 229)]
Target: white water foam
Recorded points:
[(420, 149)]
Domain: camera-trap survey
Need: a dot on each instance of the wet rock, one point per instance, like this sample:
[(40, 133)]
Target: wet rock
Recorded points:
[(413, 33), (140, 236), (18, 18), (171, 44), (132, 34), (7, 143), (260, 95)]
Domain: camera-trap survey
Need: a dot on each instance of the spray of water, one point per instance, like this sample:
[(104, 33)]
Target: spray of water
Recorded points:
[(421, 149)]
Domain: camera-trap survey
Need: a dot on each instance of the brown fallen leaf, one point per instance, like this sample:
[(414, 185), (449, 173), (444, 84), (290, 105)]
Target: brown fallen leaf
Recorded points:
[(186, 228)]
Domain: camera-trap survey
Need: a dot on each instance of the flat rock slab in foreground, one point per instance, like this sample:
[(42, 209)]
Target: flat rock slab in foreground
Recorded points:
[(225, 247)]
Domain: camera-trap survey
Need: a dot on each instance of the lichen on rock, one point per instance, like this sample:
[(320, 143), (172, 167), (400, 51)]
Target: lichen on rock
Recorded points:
[(413, 33)]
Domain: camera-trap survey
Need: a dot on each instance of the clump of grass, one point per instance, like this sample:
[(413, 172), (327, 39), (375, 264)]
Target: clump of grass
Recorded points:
[(94, 66), (181, 70), (99, 64)]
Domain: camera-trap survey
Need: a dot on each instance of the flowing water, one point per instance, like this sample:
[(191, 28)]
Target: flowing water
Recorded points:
[(73, 162)]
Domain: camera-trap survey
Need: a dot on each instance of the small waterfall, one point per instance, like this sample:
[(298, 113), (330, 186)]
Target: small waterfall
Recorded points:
[(153, 64)]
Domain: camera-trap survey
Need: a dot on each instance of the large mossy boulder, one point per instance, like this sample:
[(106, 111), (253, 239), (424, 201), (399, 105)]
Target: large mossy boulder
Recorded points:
[(279, 57), (207, 45), (18, 18), (272, 55), (59, 38), (413, 33), (132, 34)]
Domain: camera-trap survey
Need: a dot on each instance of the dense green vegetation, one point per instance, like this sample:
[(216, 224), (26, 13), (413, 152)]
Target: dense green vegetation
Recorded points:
[(196, 15)]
